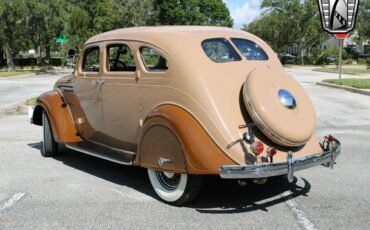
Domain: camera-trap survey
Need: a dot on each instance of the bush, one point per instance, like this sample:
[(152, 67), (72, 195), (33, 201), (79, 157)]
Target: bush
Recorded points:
[(361, 61), (322, 60), (368, 62), (309, 60), (56, 61), (349, 61), (22, 62), (25, 61)]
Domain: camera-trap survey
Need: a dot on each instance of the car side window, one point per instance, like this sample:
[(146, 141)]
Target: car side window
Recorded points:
[(91, 61), (219, 50), (120, 58), (153, 60), (249, 49)]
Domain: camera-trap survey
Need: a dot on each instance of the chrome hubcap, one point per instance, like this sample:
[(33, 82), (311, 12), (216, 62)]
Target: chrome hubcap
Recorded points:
[(287, 99), (168, 180)]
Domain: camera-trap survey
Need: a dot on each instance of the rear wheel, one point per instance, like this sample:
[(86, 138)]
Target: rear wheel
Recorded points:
[(175, 188), (49, 146)]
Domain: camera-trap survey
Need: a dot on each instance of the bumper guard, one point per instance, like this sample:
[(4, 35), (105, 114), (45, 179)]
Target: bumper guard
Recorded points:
[(326, 158)]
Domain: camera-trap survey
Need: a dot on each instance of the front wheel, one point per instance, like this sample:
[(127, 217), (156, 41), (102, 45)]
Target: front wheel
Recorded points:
[(49, 145), (175, 188)]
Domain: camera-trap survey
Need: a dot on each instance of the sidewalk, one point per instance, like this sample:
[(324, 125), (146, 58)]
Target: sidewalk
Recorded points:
[(15, 90), (348, 88)]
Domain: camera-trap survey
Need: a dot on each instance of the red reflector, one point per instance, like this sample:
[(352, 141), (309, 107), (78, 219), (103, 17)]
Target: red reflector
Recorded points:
[(271, 151), (330, 138), (257, 147)]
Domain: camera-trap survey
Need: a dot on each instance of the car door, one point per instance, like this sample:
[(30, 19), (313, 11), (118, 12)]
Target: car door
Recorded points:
[(120, 96), (84, 99), (154, 83)]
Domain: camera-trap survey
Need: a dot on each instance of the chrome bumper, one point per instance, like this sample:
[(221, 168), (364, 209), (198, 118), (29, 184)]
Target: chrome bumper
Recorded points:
[(326, 158)]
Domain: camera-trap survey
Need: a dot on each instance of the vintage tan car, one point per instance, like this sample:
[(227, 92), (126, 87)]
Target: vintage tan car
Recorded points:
[(184, 102)]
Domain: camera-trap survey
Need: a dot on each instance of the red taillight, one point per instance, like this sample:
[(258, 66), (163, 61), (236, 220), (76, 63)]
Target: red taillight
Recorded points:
[(271, 151), (329, 138), (257, 147)]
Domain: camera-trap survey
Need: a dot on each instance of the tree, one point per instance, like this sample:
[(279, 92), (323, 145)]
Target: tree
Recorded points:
[(271, 28), (13, 29), (2, 37), (192, 12), (78, 27), (298, 21), (87, 18), (363, 19), (44, 23), (136, 13)]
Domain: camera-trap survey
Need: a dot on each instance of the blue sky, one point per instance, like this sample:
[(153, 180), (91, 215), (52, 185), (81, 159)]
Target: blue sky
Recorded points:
[(243, 11)]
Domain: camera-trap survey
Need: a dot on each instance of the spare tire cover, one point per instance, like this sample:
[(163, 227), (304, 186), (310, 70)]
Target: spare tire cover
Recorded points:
[(279, 106)]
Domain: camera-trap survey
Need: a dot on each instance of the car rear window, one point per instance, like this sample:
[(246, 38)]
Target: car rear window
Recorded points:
[(219, 50), (249, 49)]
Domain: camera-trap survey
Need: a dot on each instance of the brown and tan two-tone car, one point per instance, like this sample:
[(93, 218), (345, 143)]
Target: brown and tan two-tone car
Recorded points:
[(184, 102)]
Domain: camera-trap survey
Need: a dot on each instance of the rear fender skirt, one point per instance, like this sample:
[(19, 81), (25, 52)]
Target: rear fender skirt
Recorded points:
[(53, 104), (178, 143)]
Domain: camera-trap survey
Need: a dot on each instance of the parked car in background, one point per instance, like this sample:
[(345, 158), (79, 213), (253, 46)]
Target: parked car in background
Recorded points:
[(184, 102), (330, 59), (286, 58)]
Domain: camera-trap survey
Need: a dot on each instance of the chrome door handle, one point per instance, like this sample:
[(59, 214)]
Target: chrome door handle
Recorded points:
[(98, 82)]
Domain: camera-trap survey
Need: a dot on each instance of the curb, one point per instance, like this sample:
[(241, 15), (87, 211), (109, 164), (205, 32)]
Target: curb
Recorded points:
[(17, 109), (348, 88)]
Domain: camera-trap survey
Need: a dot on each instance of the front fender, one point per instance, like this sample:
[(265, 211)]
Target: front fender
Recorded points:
[(200, 152), (53, 104)]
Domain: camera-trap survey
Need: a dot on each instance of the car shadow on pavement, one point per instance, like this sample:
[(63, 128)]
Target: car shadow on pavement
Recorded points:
[(130, 176), (217, 196), (220, 196), (37, 145)]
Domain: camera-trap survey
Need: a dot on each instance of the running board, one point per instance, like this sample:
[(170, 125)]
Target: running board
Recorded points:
[(97, 151)]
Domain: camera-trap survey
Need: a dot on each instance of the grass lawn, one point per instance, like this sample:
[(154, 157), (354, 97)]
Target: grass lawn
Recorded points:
[(31, 101), (344, 70), (13, 73), (356, 83)]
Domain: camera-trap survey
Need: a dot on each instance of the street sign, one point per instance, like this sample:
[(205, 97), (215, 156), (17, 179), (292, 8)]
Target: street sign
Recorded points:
[(338, 17), (62, 39), (341, 36)]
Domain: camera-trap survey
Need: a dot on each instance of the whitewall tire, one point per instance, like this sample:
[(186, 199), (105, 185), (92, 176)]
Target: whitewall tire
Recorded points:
[(175, 188)]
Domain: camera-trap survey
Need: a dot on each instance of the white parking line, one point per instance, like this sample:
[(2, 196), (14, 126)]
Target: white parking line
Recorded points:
[(9, 203), (298, 213)]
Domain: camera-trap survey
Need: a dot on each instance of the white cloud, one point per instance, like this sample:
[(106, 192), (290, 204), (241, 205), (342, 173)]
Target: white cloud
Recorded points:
[(244, 11)]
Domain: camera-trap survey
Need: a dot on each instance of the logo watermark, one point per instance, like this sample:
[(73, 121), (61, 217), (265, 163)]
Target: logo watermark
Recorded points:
[(338, 16)]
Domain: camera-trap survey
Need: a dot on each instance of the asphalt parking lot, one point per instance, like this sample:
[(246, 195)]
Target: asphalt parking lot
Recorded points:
[(75, 191)]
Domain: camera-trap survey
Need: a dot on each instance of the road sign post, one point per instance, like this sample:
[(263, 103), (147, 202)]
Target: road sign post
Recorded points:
[(340, 57), (340, 37)]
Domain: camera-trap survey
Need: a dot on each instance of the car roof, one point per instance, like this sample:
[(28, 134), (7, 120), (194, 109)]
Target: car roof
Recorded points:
[(169, 33)]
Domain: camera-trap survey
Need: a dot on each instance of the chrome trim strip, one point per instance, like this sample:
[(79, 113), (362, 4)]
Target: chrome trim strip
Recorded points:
[(258, 120), (97, 155), (67, 89), (326, 158)]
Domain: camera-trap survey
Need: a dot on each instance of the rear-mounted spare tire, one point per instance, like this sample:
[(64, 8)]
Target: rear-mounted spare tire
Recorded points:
[(279, 106)]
